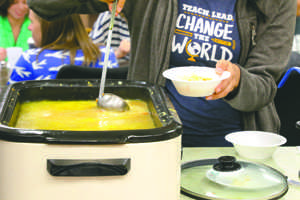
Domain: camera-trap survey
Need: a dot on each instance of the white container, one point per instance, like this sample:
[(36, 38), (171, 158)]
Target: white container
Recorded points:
[(13, 54), (195, 81), (154, 172), (255, 145), (89, 165)]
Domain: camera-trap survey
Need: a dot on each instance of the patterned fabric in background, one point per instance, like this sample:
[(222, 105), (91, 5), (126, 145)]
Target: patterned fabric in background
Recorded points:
[(100, 29), (28, 67)]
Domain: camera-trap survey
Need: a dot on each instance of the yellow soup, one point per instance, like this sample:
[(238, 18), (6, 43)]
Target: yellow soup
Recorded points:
[(195, 77), (82, 116)]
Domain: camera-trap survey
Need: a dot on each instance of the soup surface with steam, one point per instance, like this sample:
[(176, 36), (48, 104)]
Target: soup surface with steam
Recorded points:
[(82, 116)]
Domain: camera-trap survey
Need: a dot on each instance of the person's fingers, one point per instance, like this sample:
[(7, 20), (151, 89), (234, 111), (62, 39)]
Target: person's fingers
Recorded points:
[(120, 6), (225, 65), (229, 84), (125, 45), (221, 90), (221, 66)]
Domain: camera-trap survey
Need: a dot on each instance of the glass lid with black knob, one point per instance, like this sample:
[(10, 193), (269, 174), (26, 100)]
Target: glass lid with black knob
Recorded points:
[(226, 178)]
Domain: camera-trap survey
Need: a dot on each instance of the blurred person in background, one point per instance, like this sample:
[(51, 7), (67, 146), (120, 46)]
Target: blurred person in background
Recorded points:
[(14, 24), (60, 42), (251, 39), (120, 35)]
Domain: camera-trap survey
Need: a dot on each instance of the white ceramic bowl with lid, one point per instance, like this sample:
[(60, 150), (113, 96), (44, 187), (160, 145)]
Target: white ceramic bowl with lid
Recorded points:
[(195, 81), (255, 145)]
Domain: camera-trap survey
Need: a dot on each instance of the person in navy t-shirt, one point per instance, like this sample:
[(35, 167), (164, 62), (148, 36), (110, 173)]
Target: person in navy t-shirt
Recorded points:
[(206, 32)]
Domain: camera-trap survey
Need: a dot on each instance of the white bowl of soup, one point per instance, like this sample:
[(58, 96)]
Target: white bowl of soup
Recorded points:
[(195, 81)]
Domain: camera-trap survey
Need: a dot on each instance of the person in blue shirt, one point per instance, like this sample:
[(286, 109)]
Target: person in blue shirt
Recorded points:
[(60, 42), (209, 31)]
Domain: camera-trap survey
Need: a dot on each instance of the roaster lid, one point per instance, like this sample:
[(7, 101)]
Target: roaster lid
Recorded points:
[(226, 178), (72, 89)]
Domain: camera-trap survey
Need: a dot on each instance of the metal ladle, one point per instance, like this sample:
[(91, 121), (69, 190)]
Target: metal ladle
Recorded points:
[(109, 101)]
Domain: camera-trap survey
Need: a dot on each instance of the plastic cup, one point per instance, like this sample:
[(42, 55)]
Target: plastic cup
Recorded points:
[(13, 54), (4, 73)]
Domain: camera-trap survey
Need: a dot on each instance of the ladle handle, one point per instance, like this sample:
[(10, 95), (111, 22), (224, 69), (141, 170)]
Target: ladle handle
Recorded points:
[(107, 50)]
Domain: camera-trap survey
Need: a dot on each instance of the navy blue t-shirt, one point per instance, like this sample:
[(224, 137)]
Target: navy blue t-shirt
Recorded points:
[(206, 31)]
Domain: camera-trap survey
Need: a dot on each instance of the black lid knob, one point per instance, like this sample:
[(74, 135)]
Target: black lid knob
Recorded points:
[(226, 164)]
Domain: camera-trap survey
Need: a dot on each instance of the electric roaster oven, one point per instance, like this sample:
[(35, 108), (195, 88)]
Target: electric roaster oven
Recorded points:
[(46, 164)]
